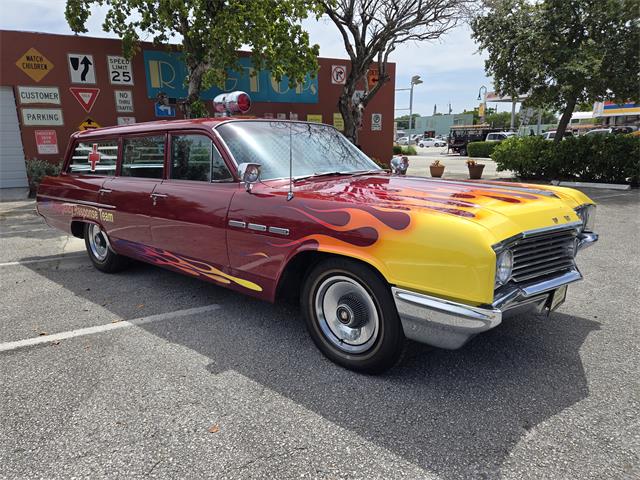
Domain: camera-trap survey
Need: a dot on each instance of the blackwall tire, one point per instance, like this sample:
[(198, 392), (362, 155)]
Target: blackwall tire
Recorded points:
[(100, 252), (351, 316)]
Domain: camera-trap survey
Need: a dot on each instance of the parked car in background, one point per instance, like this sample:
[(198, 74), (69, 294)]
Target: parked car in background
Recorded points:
[(551, 135), (372, 257), (619, 130), (499, 136), (403, 141), (431, 142)]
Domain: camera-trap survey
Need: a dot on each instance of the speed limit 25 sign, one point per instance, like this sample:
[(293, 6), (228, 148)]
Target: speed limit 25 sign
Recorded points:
[(120, 70)]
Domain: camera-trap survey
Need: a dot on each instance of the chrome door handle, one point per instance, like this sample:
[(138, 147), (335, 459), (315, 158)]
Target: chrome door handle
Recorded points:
[(154, 196), (102, 191)]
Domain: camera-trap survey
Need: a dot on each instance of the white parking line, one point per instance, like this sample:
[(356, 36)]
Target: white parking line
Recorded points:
[(28, 342), (41, 260), (6, 232)]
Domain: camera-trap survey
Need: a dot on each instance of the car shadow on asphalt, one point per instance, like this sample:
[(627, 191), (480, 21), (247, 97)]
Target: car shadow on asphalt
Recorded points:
[(456, 413)]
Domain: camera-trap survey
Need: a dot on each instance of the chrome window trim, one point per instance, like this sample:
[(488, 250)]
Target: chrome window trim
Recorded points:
[(263, 120)]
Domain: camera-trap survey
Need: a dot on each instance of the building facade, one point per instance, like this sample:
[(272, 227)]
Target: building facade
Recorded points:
[(53, 85), (440, 124)]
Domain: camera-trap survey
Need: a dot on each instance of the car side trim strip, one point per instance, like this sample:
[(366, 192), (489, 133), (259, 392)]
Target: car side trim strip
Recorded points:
[(80, 202), (237, 223)]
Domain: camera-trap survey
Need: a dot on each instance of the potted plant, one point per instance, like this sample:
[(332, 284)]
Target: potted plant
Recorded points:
[(437, 169), (475, 169)]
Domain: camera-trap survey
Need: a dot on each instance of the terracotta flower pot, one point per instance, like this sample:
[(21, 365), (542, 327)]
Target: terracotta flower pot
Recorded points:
[(475, 171), (436, 171)]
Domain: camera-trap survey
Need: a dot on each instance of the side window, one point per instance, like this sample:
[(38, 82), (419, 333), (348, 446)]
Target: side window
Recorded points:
[(143, 157), (194, 157), (94, 158)]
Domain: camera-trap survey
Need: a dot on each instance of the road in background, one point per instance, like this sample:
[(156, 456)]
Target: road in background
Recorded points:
[(455, 165), (219, 385)]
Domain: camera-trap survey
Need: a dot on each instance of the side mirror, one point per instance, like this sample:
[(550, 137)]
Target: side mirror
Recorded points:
[(249, 174), (399, 165)]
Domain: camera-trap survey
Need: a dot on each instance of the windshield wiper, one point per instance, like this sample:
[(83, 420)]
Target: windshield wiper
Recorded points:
[(323, 174)]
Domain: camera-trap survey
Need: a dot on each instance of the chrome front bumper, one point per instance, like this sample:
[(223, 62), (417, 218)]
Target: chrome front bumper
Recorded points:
[(447, 324)]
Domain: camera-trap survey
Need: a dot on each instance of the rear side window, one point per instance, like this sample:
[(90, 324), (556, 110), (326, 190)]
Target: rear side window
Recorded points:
[(143, 157), (194, 157), (95, 158)]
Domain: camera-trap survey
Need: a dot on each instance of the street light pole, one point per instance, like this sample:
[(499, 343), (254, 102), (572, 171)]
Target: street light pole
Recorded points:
[(415, 80)]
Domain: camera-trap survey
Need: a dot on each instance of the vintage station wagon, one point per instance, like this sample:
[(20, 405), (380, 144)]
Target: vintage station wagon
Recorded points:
[(276, 208)]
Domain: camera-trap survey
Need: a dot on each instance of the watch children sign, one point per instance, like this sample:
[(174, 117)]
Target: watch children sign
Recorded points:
[(166, 73)]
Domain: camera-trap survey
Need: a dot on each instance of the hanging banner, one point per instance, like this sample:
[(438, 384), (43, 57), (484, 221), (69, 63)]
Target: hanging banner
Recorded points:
[(166, 72)]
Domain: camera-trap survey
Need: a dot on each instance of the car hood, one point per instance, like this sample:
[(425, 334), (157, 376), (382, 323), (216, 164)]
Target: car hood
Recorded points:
[(504, 209)]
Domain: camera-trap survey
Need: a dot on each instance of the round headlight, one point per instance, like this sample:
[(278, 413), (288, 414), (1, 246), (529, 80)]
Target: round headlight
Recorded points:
[(504, 267)]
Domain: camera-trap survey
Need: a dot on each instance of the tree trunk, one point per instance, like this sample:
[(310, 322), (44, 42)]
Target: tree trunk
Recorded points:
[(564, 120), (196, 71), (351, 115)]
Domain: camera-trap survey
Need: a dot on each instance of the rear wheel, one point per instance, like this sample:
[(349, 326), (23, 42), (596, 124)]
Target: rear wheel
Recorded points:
[(351, 316), (100, 252), (463, 151)]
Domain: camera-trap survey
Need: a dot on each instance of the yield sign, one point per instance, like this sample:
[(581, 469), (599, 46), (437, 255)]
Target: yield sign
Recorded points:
[(85, 96)]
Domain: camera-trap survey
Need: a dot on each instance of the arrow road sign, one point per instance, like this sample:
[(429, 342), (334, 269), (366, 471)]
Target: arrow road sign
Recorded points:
[(81, 68), (165, 110), (86, 96)]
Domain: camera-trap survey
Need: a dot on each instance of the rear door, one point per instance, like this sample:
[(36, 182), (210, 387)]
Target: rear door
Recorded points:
[(132, 191), (192, 202), (74, 194)]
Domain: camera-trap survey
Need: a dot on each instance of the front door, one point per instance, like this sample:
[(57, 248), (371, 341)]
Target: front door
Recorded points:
[(193, 201), (132, 192)]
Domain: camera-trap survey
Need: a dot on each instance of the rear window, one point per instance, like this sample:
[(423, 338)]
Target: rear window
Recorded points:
[(143, 157), (95, 158)]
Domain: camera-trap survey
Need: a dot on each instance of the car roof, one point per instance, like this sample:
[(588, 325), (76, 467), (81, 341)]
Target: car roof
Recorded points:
[(163, 125)]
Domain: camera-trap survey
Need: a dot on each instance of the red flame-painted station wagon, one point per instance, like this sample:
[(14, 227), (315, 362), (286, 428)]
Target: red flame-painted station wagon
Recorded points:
[(276, 208)]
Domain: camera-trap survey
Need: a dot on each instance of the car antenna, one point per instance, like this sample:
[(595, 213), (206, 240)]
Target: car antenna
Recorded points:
[(290, 194)]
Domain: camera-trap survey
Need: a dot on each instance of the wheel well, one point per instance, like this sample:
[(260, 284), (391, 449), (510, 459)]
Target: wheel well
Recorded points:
[(298, 267), (77, 228)]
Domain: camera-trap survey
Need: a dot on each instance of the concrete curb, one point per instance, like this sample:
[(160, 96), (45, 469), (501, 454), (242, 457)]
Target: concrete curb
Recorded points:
[(605, 186)]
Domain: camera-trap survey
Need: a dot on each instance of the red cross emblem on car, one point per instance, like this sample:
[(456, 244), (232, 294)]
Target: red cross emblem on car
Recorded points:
[(94, 157)]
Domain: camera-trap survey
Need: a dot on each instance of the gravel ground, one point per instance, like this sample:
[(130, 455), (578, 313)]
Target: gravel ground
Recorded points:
[(241, 392)]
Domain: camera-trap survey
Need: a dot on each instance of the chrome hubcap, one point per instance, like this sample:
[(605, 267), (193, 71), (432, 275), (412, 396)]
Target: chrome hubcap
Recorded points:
[(347, 315), (98, 243)]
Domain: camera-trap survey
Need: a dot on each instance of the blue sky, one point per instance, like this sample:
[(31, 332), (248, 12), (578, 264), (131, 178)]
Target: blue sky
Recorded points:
[(451, 68)]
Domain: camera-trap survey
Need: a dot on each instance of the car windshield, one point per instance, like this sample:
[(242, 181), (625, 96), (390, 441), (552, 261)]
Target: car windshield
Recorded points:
[(315, 148)]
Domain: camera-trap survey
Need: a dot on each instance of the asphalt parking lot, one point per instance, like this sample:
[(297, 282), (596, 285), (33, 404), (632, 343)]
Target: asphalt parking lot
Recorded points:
[(183, 379)]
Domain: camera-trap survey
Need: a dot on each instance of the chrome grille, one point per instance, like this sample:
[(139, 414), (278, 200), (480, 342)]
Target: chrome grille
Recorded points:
[(543, 255)]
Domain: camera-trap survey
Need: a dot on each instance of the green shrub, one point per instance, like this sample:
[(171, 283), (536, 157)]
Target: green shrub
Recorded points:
[(589, 158), (409, 150), (397, 149), (37, 169), (481, 149)]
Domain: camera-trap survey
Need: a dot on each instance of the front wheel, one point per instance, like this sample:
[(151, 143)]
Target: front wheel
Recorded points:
[(351, 316), (100, 252), (421, 145), (463, 152)]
